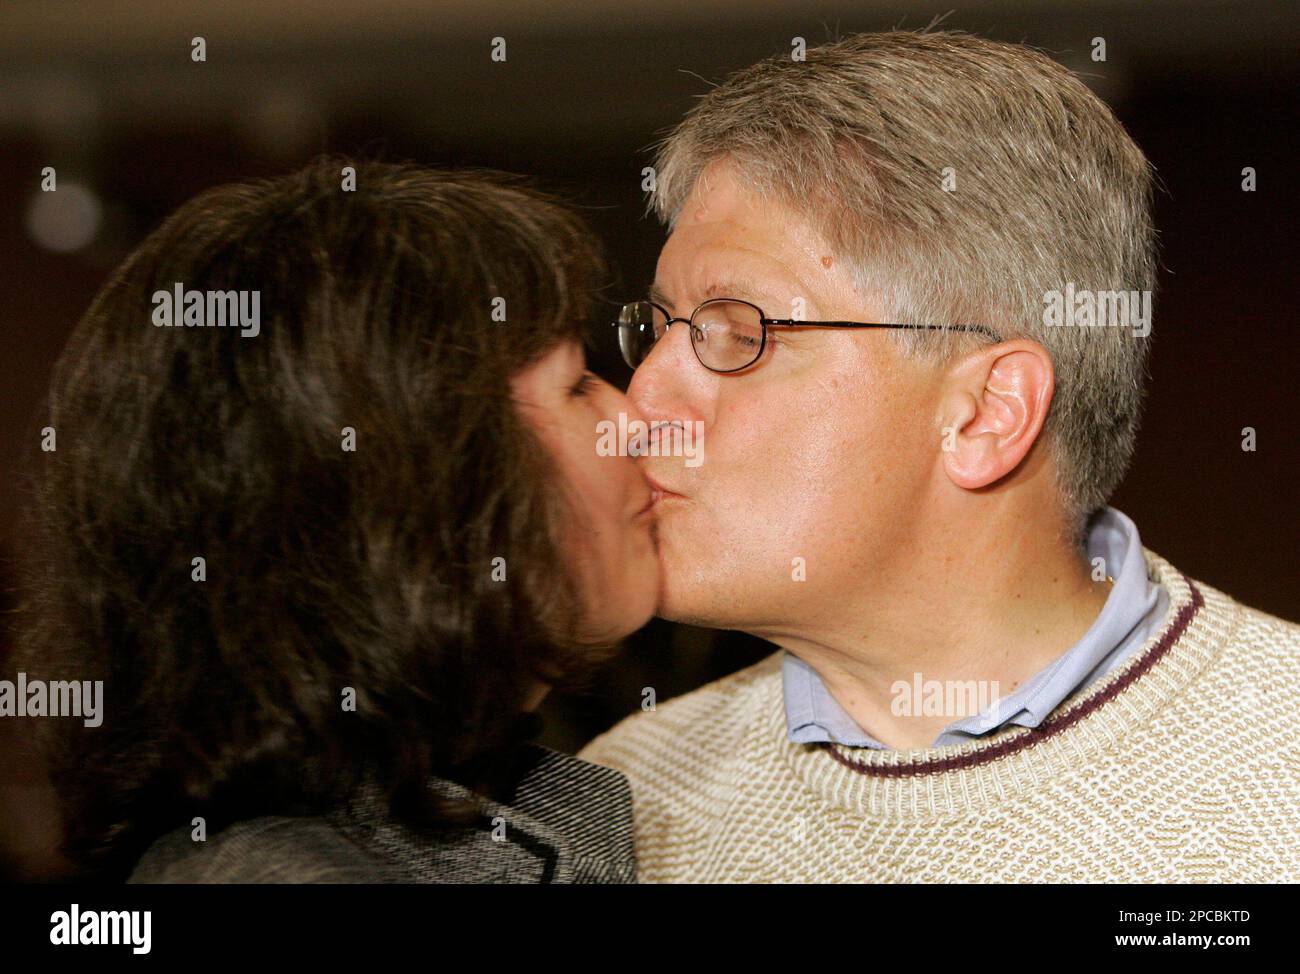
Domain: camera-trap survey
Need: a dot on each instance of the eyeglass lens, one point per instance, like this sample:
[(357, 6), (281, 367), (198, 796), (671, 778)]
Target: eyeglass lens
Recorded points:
[(727, 335)]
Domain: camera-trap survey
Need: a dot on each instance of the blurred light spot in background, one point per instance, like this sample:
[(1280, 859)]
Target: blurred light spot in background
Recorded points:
[(65, 220)]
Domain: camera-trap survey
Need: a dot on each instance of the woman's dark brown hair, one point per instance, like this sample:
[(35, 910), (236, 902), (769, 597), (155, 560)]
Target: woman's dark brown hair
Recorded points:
[(326, 568)]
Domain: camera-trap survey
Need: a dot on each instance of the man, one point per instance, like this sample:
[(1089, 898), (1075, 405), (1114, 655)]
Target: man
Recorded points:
[(982, 675)]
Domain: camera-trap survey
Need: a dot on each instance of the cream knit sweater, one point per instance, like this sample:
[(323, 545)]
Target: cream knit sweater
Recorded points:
[(1181, 766)]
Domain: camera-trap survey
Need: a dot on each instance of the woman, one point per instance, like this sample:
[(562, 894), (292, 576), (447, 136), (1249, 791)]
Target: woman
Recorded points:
[(327, 519)]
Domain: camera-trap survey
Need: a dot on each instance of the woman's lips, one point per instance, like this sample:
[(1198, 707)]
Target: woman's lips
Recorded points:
[(657, 496), (649, 506), (658, 491)]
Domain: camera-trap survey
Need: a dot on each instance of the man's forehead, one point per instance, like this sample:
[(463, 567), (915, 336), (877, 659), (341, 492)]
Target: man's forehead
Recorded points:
[(700, 263), (757, 254), (705, 285)]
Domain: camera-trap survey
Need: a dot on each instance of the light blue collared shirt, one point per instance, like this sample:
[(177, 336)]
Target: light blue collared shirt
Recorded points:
[(1133, 613)]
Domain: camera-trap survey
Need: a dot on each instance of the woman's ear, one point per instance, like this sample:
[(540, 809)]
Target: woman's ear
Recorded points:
[(993, 410)]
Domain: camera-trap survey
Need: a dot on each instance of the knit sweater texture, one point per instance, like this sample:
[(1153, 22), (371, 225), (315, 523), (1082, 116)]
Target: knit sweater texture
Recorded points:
[(1179, 767)]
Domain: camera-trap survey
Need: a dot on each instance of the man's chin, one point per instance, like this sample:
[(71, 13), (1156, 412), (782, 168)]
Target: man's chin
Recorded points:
[(673, 607), (690, 618), (690, 610)]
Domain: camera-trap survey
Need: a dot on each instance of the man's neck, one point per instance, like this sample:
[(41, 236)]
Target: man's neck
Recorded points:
[(996, 620)]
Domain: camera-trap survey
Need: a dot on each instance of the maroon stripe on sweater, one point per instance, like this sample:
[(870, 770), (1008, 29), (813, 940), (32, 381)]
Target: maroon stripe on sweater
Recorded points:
[(1055, 722)]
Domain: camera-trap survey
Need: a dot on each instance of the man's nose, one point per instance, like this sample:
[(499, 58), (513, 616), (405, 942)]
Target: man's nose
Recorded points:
[(671, 384), (625, 404)]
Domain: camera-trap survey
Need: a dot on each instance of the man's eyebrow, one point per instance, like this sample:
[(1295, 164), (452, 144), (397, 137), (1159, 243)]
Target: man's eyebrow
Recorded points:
[(730, 288), (735, 288)]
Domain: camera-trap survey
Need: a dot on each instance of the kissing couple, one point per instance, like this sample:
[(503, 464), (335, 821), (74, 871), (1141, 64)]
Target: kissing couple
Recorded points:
[(327, 572)]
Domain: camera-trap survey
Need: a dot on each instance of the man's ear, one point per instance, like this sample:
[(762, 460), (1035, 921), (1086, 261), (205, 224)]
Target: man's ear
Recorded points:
[(993, 409)]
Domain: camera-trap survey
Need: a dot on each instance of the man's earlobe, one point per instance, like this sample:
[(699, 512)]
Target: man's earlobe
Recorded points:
[(995, 412)]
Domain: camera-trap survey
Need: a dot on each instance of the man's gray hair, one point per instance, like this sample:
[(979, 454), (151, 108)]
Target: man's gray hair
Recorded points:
[(866, 137)]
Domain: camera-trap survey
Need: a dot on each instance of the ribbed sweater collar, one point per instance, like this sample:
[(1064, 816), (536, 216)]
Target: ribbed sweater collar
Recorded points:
[(931, 782)]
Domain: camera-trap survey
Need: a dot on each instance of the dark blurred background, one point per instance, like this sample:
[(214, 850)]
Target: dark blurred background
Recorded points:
[(106, 93)]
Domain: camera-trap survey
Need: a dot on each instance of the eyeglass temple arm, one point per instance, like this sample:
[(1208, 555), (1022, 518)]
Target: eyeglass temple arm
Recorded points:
[(796, 322)]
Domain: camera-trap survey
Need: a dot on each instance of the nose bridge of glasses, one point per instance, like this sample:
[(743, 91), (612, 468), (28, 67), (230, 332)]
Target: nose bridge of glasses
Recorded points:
[(692, 329)]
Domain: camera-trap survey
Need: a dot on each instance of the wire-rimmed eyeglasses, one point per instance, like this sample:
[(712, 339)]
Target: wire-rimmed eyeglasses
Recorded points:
[(728, 334)]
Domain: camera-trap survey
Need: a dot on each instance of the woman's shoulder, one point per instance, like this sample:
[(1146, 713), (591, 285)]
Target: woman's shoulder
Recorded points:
[(583, 809), (270, 849), (562, 820)]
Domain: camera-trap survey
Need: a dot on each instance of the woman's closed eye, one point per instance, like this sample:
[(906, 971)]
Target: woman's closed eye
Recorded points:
[(584, 384)]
